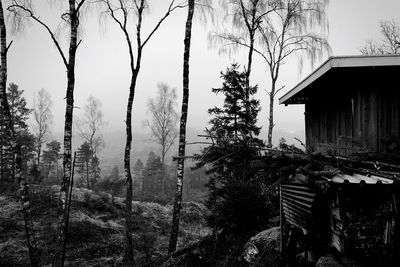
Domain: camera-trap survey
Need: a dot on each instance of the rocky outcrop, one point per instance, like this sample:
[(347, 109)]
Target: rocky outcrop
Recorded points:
[(328, 261), (263, 248)]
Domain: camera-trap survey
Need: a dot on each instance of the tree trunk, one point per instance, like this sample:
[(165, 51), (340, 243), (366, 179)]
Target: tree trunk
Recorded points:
[(69, 201), (57, 169), (9, 128), (249, 63), (182, 132), (271, 114), (39, 150), (73, 45), (87, 175), (128, 255), (48, 173), (1, 157), (162, 172)]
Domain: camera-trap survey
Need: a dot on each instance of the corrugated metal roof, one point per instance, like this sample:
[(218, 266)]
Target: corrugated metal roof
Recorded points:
[(359, 178)]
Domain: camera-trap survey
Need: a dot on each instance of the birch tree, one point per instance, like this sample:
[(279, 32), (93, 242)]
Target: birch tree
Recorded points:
[(128, 15), (90, 124), (290, 29), (19, 176), (163, 122), (43, 119), (23, 10), (245, 17), (182, 131), (204, 7)]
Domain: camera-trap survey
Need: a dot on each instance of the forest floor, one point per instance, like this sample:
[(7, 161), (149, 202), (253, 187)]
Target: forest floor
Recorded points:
[(96, 228)]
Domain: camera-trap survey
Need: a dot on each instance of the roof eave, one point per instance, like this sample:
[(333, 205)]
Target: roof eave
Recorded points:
[(340, 62)]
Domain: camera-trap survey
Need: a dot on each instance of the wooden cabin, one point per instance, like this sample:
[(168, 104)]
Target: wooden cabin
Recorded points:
[(352, 104)]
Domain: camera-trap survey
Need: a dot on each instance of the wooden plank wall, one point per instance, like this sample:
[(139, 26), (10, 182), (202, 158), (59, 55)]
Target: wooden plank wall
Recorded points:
[(366, 114), (328, 122)]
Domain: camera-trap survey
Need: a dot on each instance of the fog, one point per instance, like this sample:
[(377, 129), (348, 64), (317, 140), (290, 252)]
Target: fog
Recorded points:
[(102, 68)]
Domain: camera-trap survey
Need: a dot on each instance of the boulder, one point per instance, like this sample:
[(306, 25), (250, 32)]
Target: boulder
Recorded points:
[(264, 245), (328, 261)]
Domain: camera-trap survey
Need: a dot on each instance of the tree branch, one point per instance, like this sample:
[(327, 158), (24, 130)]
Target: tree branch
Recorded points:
[(15, 5), (8, 46), (170, 9)]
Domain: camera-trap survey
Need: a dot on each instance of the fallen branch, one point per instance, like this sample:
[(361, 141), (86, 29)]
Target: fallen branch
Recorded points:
[(371, 164)]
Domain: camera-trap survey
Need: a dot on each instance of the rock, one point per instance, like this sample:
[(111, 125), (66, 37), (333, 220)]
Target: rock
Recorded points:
[(327, 261), (299, 178), (264, 245)]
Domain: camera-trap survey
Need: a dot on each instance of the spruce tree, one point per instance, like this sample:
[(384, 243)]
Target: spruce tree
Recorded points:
[(236, 201)]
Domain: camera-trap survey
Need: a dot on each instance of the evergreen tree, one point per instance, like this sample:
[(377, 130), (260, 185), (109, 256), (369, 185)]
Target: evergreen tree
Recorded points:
[(94, 170), (51, 156), (236, 201), (232, 120), (151, 175), (138, 176), (19, 112), (84, 155), (112, 184), (19, 115), (88, 165)]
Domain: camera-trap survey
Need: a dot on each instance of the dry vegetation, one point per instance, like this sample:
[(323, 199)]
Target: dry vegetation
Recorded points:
[(96, 228)]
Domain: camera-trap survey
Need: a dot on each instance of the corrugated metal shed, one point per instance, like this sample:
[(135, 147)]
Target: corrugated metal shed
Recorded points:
[(301, 206), (297, 204)]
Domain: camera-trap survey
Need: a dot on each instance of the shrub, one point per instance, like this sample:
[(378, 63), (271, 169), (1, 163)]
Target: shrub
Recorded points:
[(88, 240), (99, 202)]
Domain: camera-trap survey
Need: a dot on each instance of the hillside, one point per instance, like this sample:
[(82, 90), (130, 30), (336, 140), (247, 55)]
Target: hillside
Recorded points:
[(96, 228), (114, 143)]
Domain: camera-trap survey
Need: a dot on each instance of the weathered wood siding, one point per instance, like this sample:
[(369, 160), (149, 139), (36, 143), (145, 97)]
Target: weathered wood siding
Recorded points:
[(355, 113)]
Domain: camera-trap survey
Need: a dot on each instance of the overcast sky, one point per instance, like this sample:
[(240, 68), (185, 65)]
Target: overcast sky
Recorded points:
[(102, 68)]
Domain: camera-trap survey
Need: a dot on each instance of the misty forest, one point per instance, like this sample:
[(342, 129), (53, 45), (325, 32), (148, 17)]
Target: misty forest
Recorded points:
[(149, 133)]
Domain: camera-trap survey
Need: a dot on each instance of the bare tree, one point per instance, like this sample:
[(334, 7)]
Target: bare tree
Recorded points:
[(43, 119), (163, 122), (89, 129), (23, 10), (90, 125), (19, 176), (182, 131), (288, 30), (122, 12), (389, 44)]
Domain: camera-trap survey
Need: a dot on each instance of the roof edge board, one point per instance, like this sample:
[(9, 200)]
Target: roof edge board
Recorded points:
[(341, 62), (327, 65)]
